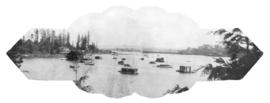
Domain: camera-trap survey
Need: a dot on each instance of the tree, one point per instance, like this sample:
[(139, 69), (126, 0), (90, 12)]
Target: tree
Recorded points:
[(36, 36), (15, 51), (83, 43), (78, 42), (74, 56), (68, 40), (242, 52)]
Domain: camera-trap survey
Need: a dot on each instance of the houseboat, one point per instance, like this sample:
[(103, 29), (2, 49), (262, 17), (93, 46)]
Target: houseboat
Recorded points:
[(185, 69), (160, 59), (129, 70), (164, 66)]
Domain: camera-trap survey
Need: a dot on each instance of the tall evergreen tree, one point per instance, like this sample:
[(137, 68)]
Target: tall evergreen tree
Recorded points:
[(242, 52)]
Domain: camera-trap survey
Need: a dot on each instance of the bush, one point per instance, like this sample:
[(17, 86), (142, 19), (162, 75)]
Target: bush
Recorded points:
[(73, 56)]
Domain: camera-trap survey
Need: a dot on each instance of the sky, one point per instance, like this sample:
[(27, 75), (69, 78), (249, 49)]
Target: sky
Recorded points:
[(148, 27)]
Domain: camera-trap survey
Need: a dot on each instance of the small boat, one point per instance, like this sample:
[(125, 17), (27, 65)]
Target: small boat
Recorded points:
[(74, 66), (98, 57), (152, 62), (164, 66), (81, 61), (89, 62), (121, 62), (187, 69), (160, 59), (87, 57), (129, 70), (146, 55), (142, 58), (126, 65)]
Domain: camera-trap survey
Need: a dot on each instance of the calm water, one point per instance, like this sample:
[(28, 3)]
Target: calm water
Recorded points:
[(104, 76)]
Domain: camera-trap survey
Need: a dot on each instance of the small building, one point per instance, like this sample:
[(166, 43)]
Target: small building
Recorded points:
[(129, 70), (160, 59), (64, 50), (185, 69)]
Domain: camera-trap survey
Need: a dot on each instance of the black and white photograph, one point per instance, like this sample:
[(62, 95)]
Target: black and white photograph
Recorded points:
[(134, 51), (121, 51)]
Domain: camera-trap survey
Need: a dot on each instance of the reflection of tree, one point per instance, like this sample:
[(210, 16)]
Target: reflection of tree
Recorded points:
[(80, 84), (177, 89), (242, 52)]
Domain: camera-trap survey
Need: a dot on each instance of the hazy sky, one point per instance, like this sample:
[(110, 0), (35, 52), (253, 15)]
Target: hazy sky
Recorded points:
[(145, 28)]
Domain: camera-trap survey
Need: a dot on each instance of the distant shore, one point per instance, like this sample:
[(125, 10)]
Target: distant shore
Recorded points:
[(29, 56)]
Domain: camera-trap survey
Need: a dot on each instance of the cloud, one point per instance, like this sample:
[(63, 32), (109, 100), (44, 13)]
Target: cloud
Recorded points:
[(149, 27)]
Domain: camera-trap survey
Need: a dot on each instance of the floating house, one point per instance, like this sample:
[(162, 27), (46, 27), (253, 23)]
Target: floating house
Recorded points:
[(185, 69), (160, 59), (129, 70), (164, 66), (87, 57)]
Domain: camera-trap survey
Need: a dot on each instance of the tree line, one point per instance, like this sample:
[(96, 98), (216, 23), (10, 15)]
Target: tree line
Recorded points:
[(49, 41), (206, 49)]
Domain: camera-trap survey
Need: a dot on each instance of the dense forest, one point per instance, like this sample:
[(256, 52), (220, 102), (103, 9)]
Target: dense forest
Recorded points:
[(47, 41)]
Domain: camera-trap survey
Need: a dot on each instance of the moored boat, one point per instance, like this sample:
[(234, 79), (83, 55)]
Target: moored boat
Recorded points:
[(160, 59), (89, 62), (98, 57), (185, 69), (129, 70), (152, 62), (74, 66), (121, 62), (164, 66)]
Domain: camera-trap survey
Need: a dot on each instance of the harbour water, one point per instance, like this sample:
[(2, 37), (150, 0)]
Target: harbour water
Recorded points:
[(104, 76)]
